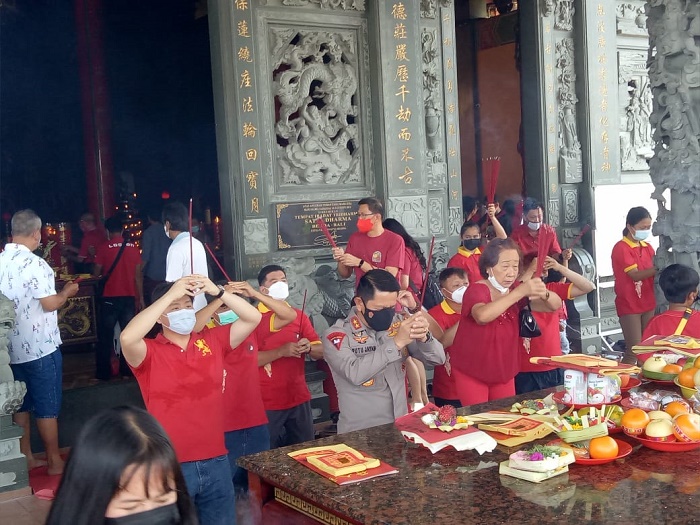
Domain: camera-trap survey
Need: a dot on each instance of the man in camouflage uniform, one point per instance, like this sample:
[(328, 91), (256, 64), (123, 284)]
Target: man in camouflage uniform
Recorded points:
[(366, 352)]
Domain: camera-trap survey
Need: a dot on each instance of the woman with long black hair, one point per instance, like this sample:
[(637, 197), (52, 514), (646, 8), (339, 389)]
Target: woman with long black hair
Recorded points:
[(122, 470)]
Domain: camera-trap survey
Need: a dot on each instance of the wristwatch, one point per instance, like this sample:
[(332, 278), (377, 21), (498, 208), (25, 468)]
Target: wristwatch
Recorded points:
[(221, 293)]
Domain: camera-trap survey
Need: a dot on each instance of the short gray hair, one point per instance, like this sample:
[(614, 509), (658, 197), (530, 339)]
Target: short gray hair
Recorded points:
[(25, 222)]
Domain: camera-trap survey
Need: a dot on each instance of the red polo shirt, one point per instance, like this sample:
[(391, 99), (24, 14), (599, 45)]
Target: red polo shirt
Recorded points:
[(443, 382), (122, 282), (633, 297), (283, 382), (387, 249), (468, 261), (666, 323), (529, 244), (549, 343), (243, 404), (182, 390)]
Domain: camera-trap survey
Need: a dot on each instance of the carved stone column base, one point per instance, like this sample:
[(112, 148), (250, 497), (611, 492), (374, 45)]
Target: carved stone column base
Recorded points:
[(13, 464)]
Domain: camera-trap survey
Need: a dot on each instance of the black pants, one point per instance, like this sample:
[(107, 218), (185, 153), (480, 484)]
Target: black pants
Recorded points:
[(291, 426), (530, 381), (112, 310)]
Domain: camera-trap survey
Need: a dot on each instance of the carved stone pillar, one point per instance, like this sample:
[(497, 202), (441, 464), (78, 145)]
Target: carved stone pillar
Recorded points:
[(558, 157), (674, 74)]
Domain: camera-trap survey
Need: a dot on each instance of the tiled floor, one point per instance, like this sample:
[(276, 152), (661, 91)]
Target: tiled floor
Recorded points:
[(28, 510)]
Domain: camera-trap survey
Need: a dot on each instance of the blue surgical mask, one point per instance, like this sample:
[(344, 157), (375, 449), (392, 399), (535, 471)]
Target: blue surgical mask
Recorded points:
[(642, 235), (182, 321), (227, 317)]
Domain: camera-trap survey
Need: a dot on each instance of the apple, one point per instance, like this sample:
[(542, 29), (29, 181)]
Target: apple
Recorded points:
[(656, 364), (660, 430), (659, 414), (696, 378)]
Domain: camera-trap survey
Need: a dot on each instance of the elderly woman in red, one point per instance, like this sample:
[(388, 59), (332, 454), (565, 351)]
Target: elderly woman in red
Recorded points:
[(634, 271), (485, 352)]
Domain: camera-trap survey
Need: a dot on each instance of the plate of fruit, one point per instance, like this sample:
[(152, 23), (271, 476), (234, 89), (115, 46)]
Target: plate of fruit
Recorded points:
[(659, 370), (675, 429), (629, 382), (603, 450)]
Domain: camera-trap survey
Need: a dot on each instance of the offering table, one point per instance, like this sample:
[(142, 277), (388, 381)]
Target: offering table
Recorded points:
[(452, 487)]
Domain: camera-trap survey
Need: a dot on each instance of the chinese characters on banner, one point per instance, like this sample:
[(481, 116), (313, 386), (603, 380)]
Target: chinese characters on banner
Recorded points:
[(451, 114), (249, 134), (404, 160)]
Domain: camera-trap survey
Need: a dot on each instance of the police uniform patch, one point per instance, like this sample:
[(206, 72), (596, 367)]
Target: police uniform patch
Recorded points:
[(394, 329), (368, 383), (377, 257), (336, 338), (360, 336), (355, 322)]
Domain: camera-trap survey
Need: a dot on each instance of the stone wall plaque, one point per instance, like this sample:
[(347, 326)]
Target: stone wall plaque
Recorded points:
[(297, 228)]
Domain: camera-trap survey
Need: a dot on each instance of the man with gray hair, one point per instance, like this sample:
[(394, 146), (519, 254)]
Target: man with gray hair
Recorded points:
[(28, 281)]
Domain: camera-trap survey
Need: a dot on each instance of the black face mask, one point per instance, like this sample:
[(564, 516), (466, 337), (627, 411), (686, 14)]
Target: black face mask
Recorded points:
[(166, 515), (471, 244), (379, 320)]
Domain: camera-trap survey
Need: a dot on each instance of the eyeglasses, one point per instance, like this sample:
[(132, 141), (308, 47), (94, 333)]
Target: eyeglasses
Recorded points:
[(365, 215)]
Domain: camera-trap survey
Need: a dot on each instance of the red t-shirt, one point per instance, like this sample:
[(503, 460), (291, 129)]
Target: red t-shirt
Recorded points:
[(243, 404), (549, 343), (666, 323), (122, 282), (384, 250), (91, 239), (443, 382), (413, 268), (489, 352), (282, 382), (633, 297), (182, 390), (529, 244), (468, 261)]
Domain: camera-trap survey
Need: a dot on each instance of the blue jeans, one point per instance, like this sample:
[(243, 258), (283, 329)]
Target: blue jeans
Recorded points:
[(44, 380), (241, 443), (209, 485)]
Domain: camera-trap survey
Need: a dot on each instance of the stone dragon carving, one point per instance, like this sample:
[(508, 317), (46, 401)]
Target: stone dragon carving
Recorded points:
[(674, 73), (11, 392), (315, 84)]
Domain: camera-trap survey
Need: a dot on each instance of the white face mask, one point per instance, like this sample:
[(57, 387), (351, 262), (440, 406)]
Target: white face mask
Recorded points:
[(498, 286), (165, 229), (182, 321), (534, 226), (279, 290), (458, 294)]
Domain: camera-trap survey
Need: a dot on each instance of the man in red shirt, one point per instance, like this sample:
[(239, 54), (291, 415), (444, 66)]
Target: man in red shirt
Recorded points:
[(93, 237), (537, 377), (680, 286), (123, 293), (181, 376), (281, 359), (372, 246), (527, 236), (453, 282)]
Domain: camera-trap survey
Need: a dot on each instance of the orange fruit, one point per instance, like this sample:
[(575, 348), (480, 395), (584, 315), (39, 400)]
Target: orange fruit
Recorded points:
[(675, 408), (634, 421), (624, 380), (672, 368), (687, 377), (603, 448), (686, 427)]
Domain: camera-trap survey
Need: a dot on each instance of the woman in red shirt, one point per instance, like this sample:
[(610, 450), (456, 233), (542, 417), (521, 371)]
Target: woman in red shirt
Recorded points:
[(485, 356), (634, 271)]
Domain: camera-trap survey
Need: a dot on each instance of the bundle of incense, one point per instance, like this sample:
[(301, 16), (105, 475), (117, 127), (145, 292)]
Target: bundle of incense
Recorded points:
[(578, 238), (191, 249), (303, 307), (542, 251), (324, 228), (217, 263), (493, 166), (427, 271)]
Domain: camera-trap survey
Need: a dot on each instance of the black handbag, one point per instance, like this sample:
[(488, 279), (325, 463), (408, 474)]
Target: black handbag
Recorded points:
[(433, 294), (527, 323)]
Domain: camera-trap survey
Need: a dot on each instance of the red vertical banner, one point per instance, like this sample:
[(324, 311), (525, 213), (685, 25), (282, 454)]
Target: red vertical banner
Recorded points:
[(97, 144)]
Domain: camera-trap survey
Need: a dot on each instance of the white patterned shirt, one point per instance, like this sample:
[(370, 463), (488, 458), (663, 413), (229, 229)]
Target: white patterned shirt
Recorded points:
[(24, 279)]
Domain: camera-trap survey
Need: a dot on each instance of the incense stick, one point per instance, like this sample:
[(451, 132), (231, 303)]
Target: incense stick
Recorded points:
[(427, 271), (217, 263), (301, 320), (542, 251), (578, 238), (324, 228), (191, 249)]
